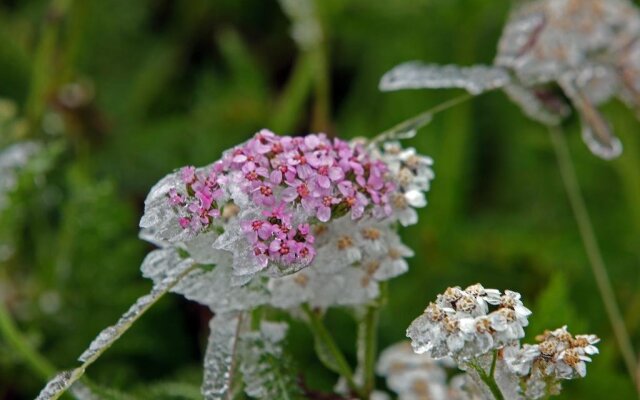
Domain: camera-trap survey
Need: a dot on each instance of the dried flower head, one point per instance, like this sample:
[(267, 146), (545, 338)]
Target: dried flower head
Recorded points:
[(584, 50)]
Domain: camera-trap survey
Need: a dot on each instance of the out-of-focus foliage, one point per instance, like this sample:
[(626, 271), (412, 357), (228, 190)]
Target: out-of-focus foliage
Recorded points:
[(121, 92)]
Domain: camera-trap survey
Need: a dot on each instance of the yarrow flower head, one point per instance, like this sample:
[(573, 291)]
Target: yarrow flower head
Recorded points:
[(585, 51), (263, 201), (418, 376), (557, 356), (459, 325)]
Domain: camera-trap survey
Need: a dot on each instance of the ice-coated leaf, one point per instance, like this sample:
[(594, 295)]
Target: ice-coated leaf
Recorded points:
[(109, 335), (56, 386), (265, 367), (220, 360), (415, 75)]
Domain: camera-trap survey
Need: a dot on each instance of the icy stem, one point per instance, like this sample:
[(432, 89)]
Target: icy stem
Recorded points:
[(220, 358)]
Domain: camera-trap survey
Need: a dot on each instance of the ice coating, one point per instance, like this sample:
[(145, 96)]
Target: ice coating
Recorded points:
[(257, 208), (211, 286), (415, 75), (264, 366), (221, 356), (586, 51), (459, 323), (557, 356), (584, 48), (56, 386), (352, 260)]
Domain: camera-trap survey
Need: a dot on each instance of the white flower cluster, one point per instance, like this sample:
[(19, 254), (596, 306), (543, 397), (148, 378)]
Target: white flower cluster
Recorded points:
[(417, 376), (413, 174), (459, 324), (558, 356), (351, 255)]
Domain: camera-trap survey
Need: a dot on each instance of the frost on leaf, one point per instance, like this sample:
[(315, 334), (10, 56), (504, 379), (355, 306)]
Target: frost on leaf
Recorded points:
[(415, 75), (265, 367), (221, 356), (56, 386)]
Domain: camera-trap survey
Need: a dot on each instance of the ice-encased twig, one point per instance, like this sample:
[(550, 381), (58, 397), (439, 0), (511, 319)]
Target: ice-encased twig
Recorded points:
[(415, 75), (57, 386), (220, 358)]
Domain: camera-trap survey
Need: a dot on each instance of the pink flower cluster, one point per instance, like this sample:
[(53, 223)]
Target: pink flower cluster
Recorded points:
[(288, 177), (200, 200)]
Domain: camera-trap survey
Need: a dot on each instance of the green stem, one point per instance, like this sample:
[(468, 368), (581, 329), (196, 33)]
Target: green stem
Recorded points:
[(14, 338), (339, 361), (421, 119), (596, 261), (489, 379), (492, 371), (367, 345)]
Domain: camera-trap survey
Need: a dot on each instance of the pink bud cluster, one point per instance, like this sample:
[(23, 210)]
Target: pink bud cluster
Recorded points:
[(289, 179)]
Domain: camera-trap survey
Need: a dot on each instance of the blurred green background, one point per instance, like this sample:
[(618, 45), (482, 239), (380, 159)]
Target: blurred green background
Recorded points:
[(125, 91)]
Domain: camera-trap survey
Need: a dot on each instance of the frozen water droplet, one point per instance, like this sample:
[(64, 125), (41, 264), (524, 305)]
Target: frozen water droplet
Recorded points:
[(415, 75)]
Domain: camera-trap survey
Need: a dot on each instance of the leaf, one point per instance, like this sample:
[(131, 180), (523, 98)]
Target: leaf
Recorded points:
[(58, 385), (265, 367), (415, 75), (221, 356)]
